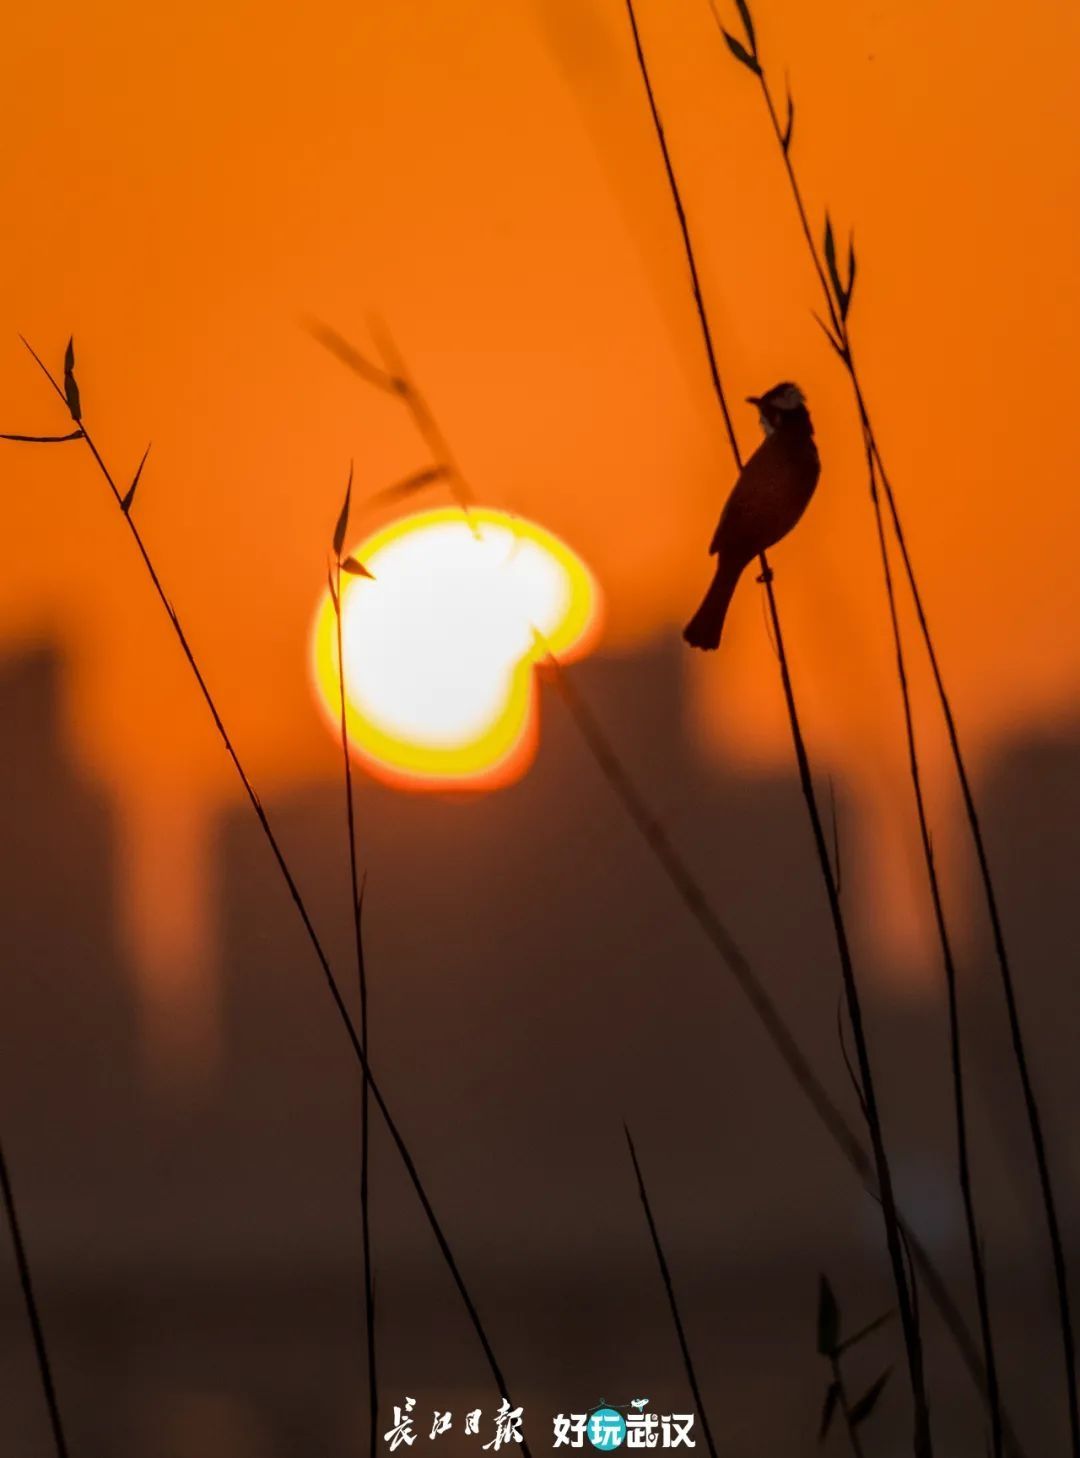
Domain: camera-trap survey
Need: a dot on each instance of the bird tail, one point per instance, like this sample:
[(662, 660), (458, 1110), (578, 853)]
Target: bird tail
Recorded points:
[(704, 628)]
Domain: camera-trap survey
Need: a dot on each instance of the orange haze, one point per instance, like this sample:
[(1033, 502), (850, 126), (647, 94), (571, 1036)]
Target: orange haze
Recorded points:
[(184, 184)]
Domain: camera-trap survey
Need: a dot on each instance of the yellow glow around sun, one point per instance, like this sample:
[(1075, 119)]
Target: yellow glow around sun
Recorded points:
[(440, 646)]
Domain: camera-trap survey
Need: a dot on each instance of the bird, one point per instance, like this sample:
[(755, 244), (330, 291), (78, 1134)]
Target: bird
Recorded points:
[(773, 490)]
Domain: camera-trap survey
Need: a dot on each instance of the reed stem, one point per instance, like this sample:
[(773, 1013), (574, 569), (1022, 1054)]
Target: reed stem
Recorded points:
[(673, 1303), (978, 1265), (301, 908), (923, 1445), (37, 1330), (356, 891)]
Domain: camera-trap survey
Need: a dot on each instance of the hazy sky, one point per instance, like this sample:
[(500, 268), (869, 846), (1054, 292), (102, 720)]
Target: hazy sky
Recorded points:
[(184, 185)]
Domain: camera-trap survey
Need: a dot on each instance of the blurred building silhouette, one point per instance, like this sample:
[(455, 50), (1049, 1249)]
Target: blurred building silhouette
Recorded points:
[(533, 983)]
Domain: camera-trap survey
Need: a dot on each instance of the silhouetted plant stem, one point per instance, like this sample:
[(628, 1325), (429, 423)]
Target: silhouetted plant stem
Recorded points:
[(832, 1344), (298, 901), (361, 972), (1031, 1102), (37, 1331), (845, 1407), (912, 1341), (841, 342), (978, 1266), (665, 1276), (843, 1401), (838, 319), (394, 379), (909, 1325)]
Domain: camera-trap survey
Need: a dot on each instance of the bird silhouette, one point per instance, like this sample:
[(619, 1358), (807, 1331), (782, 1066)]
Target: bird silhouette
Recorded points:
[(771, 494)]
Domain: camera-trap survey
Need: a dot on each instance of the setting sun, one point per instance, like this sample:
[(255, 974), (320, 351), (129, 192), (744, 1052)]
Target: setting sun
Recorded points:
[(440, 644)]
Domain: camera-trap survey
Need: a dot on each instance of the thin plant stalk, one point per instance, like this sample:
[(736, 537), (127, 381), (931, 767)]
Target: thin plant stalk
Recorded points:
[(1004, 962), (1016, 1034), (124, 503), (832, 1347), (37, 1330), (839, 1392), (840, 339), (923, 1445), (356, 891), (978, 1265), (669, 1288), (395, 380), (845, 1406), (1030, 1097)]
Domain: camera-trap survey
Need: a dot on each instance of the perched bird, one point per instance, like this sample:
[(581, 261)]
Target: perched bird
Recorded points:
[(767, 500)]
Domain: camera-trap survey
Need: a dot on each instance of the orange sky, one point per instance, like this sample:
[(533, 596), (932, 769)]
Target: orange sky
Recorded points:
[(184, 185)]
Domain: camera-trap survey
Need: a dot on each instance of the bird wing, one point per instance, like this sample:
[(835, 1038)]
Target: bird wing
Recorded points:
[(767, 499), (753, 484)]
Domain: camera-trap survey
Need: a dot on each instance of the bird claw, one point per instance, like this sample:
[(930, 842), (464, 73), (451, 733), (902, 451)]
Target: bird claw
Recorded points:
[(766, 575)]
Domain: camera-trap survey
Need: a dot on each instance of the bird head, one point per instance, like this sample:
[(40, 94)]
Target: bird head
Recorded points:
[(784, 404)]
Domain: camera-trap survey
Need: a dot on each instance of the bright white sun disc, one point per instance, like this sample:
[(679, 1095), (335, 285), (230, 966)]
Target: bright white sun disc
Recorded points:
[(438, 647)]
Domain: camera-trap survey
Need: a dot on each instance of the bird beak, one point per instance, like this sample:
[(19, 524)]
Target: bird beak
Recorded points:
[(753, 399)]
